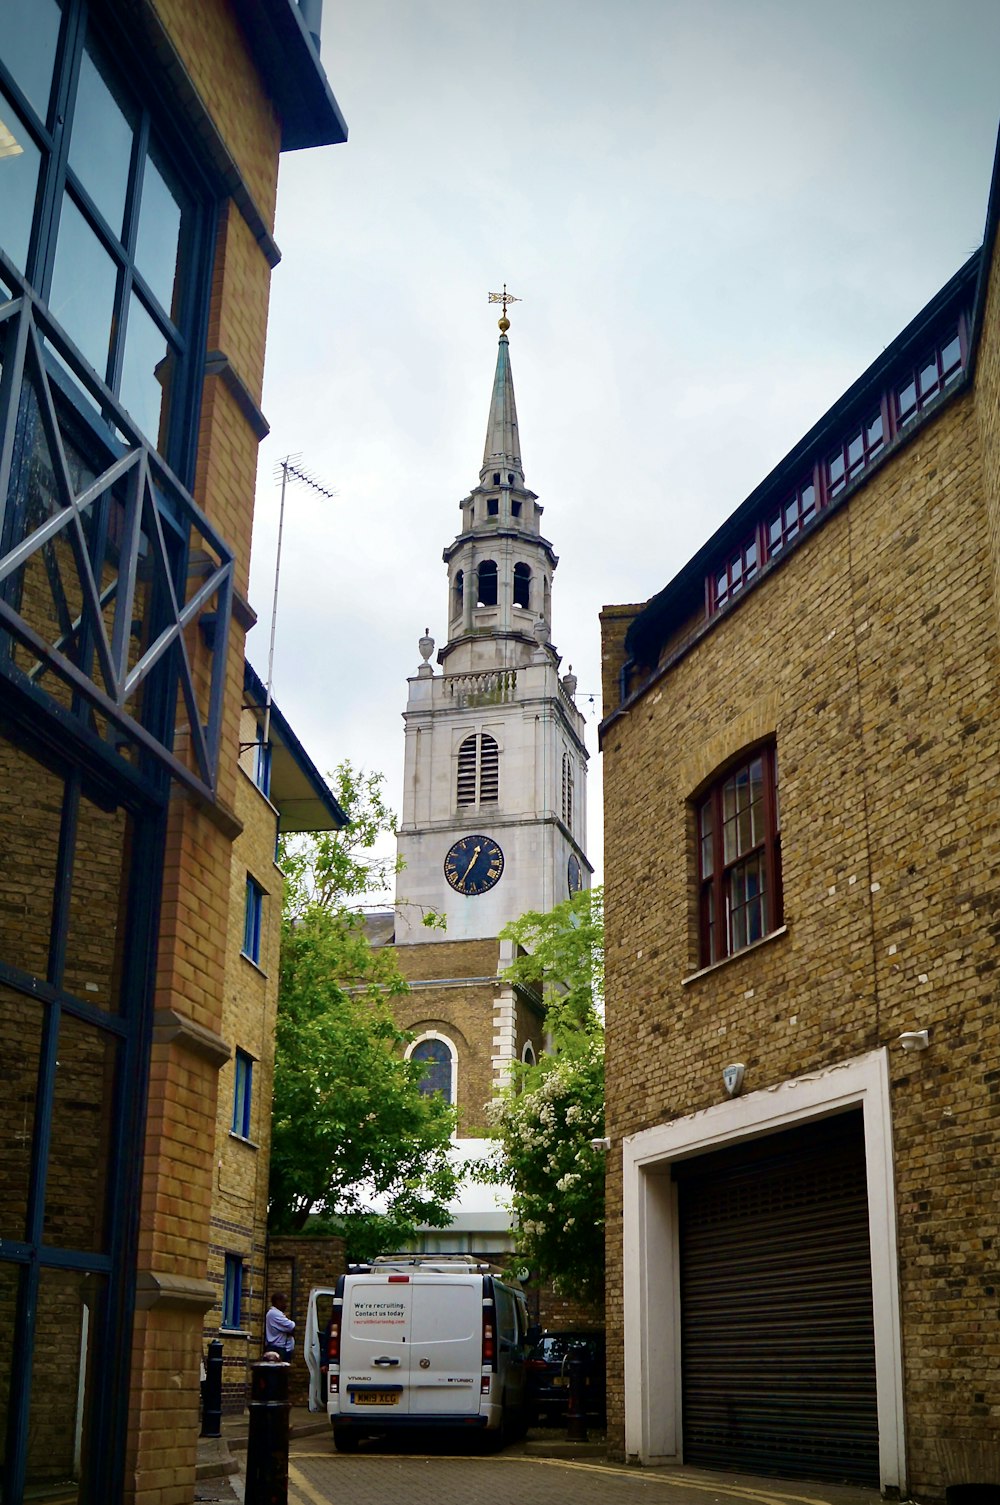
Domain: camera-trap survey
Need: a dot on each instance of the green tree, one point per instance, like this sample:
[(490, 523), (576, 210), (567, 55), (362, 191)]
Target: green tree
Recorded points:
[(546, 1119), (350, 1126)]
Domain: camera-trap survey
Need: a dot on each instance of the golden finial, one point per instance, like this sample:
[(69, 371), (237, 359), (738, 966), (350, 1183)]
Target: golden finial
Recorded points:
[(505, 297)]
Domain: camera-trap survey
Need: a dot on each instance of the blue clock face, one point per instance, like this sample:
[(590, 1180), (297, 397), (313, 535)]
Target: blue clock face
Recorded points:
[(574, 874), (473, 865)]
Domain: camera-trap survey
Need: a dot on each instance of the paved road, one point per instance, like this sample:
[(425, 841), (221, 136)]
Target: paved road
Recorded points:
[(318, 1476)]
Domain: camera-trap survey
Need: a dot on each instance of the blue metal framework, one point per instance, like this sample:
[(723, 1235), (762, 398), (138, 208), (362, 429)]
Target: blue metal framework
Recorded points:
[(159, 530)]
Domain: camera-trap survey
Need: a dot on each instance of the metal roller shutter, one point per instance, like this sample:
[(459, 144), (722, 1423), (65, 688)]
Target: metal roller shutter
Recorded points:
[(778, 1365)]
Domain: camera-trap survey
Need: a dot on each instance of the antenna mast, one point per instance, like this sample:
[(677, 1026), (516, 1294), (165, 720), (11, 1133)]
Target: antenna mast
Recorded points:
[(289, 468)]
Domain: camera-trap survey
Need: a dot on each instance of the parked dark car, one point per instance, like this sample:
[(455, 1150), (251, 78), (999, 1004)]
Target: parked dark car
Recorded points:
[(547, 1375)]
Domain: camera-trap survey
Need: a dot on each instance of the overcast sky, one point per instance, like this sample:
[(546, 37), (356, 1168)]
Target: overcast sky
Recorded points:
[(716, 214)]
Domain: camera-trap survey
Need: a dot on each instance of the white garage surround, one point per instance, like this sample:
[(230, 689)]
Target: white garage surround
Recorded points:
[(651, 1262)]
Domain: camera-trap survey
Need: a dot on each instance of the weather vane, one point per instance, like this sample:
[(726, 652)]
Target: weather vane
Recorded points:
[(505, 297)]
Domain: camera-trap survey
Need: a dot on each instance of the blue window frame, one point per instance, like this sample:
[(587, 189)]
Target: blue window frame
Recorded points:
[(262, 765), (242, 1094), (232, 1291), (252, 919)]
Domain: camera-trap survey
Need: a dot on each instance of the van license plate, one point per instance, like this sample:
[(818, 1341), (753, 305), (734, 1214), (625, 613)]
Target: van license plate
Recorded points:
[(375, 1397)]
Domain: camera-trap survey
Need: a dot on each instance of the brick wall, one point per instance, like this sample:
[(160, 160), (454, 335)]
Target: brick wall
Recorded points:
[(239, 1197), (871, 655), (295, 1264), (181, 1167), (463, 1013)]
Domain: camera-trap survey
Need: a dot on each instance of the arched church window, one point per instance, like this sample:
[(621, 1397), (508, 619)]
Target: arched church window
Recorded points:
[(438, 1060), (459, 590), (522, 585), (567, 789), (487, 577), (478, 770), (528, 1054), (496, 478)]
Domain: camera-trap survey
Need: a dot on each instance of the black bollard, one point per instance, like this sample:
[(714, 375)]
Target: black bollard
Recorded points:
[(211, 1392), (267, 1443), (576, 1413)]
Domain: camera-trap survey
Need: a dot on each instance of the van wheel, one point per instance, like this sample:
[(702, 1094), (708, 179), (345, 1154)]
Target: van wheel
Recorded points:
[(345, 1439)]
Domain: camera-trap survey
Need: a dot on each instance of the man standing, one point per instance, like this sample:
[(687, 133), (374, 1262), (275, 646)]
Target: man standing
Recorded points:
[(278, 1328)]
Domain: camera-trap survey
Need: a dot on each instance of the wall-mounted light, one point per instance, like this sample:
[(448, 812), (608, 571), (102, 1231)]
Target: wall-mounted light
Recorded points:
[(915, 1039), (732, 1077)]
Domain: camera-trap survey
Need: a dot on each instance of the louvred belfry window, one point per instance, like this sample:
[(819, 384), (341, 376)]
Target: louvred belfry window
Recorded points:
[(478, 771), (739, 858), (567, 789)]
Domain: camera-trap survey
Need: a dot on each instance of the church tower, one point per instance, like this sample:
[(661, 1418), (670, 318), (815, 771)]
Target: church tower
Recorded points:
[(494, 785)]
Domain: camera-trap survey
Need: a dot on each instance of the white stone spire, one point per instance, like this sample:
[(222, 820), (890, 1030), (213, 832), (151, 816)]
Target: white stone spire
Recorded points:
[(495, 757)]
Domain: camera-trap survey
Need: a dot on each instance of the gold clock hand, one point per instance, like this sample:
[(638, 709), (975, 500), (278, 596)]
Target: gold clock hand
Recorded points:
[(472, 864)]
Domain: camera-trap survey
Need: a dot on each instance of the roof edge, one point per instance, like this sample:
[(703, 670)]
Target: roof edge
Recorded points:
[(254, 686)]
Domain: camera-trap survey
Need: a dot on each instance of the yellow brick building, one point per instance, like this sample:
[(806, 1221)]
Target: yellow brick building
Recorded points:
[(803, 844), (137, 178), (279, 791)]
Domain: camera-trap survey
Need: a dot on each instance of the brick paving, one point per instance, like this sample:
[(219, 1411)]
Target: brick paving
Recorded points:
[(318, 1475)]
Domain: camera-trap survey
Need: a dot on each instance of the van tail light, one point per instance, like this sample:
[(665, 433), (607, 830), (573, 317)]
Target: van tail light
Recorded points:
[(489, 1337), (333, 1334)]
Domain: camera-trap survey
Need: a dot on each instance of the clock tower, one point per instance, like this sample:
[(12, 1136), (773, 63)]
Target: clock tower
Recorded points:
[(494, 785)]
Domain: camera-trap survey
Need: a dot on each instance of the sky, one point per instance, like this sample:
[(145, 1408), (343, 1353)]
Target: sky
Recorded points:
[(716, 214)]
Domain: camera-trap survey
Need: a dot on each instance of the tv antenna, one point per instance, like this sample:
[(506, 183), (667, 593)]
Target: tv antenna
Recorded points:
[(289, 469)]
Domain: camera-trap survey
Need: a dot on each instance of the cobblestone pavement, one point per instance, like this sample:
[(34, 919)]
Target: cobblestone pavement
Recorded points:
[(318, 1475)]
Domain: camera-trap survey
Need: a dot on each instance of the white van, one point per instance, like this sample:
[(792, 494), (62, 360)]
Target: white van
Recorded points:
[(418, 1341)]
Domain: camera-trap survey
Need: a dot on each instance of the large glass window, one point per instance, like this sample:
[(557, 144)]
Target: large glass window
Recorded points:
[(78, 884), (739, 858), (97, 210), (437, 1058)]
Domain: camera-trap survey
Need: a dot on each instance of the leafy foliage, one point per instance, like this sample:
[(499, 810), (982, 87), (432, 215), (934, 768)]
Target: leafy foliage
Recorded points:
[(350, 1126), (546, 1120)]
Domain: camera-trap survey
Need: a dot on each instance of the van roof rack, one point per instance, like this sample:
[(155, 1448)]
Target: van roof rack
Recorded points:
[(442, 1262)]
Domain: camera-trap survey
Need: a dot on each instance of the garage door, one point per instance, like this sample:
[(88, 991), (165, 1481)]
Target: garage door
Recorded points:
[(778, 1357)]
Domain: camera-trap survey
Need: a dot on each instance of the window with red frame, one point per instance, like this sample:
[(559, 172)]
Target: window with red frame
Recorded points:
[(782, 526), (739, 857), (734, 574), (939, 368), (857, 451)]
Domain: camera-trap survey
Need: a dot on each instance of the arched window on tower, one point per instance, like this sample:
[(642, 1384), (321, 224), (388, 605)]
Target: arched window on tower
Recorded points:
[(522, 585), (478, 771), (567, 789), (437, 1057), (459, 591), (487, 578)]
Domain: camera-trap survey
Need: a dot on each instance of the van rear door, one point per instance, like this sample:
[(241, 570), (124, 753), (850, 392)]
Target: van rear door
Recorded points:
[(374, 1346), (314, 1343), (445, 1348)]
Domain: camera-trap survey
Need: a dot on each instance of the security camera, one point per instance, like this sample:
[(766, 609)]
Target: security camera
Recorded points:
[(915, 1039)]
